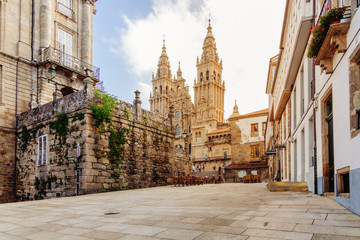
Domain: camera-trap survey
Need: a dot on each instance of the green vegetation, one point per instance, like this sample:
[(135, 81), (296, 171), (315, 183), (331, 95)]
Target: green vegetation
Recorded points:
[(103, 108)]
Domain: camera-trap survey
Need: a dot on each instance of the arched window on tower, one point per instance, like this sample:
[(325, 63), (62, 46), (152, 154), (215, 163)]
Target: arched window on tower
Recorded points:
[(207, 75), (218, 77), (160, 89), (167, 90), (177, 130), (201, 77), (155, 90), (214, 76)]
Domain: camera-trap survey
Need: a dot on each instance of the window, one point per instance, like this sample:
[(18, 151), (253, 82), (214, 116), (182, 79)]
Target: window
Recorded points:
[(217, 150), (207, 75), (254, 130), (177, 115), (42, 143), (343, 182), (177, 130), (65, 7), (354, 89), (201, 77), (190, 129), (64, 45), (209, 148), (255, 152), (302, 101), (263, 128), (225, 155)]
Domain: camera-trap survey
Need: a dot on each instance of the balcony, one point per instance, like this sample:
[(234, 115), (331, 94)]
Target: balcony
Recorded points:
[(68, 12), (335, 41), (219, 158), (69, 63), (215, 142)]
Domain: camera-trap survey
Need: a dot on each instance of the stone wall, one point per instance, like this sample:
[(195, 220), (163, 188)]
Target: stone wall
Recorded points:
[(146, 158)]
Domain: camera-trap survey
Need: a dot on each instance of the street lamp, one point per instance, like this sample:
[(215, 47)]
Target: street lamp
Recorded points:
[(184, 135)]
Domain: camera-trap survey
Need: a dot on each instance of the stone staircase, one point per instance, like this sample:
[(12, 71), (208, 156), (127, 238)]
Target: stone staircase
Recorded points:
[(287, 186)]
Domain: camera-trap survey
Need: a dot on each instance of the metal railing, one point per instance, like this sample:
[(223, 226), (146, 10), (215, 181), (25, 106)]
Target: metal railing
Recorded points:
[(202, 159), (325, 8), (66, 60), (66, 10), (212, 142)]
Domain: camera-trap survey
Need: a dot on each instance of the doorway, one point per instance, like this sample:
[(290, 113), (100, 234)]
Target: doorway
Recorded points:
[(330, 145), (327, 135)]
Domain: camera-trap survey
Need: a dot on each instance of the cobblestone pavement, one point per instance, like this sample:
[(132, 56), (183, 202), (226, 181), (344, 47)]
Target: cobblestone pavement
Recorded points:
[(223, 211)]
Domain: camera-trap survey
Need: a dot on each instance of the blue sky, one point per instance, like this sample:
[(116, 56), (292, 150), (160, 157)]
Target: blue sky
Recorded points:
[(128, 38), (118, 80)]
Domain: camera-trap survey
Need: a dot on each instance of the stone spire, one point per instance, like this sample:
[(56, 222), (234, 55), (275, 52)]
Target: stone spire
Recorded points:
[(235, 113), (236, 109), (179, 73), (209, 46), (163, 64)]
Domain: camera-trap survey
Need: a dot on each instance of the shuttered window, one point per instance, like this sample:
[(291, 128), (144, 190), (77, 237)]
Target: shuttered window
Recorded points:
[(65, 7), (64, 45), (42, 143)]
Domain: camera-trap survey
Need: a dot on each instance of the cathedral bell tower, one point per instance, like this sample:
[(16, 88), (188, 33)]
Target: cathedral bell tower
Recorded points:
[(209, 88), (162, 85)]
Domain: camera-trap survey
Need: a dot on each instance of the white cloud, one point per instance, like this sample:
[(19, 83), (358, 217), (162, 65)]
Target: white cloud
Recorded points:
[(247, 34)]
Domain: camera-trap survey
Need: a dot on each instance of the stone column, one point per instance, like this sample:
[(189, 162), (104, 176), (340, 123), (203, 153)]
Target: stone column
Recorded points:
[(137, 103), (45, 23), (89, 87), (86, 34)]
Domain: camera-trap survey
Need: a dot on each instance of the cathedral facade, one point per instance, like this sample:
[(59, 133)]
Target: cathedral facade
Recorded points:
[(198, 119)]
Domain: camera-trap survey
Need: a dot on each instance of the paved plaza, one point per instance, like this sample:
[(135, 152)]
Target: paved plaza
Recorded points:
[(221, 211)]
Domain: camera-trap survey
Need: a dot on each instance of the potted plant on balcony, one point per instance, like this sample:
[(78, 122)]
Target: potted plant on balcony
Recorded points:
[(320, 30)]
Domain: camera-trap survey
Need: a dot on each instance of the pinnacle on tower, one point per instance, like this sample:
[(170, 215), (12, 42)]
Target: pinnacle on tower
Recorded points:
[(236, 109), (179, 73)]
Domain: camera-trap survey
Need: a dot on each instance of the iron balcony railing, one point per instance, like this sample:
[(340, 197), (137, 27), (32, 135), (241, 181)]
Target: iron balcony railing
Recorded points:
[(66, 10), (327, 6), (228, 157), (54, 55)]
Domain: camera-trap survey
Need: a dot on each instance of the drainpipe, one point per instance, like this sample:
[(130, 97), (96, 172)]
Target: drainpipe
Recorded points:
[(314, 112), (32, 30), (16, 126)]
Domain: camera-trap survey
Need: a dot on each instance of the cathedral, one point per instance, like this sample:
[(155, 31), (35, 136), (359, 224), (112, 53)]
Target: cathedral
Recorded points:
[(202, 118)]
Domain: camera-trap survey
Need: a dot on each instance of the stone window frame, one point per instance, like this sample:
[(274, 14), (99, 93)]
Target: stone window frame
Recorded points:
[(254, 129), (70, 31), (42, 150), (177, 115), (354, 91), (178, 130), (340, 188), (253, 155), (67, 11)]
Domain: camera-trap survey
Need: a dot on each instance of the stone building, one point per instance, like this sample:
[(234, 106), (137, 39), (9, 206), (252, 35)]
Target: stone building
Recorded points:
[(45, 53), (65, 148), (314, 107), (206, 114), (247, 145)]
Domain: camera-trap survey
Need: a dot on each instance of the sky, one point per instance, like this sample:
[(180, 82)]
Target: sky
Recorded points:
[(128, 37)]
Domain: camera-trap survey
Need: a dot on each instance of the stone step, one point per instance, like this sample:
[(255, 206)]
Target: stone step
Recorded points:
[(287, 186)]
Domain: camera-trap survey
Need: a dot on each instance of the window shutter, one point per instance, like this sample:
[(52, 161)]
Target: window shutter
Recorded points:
[(44, 149), (39, 151)]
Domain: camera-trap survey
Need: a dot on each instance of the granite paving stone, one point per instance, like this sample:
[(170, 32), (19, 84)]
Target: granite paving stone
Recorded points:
[(213, 211)]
